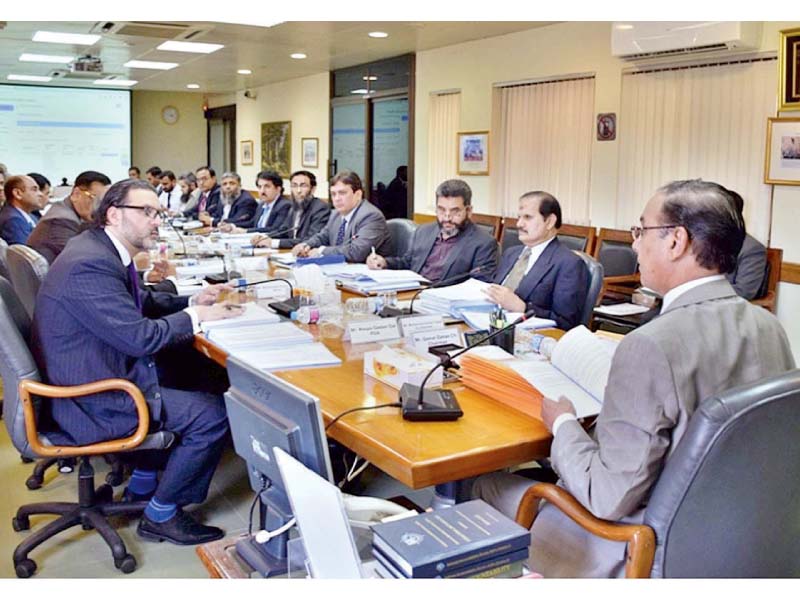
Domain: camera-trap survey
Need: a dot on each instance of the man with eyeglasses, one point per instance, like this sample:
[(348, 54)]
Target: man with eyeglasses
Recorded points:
[(65, 219), (92, 321), (209, 194), (542, 274), (307, 216), (706, 341), (449, 247)]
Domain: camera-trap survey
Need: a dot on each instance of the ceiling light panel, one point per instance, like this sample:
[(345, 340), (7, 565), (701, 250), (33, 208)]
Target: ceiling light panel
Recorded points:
[(46, 58), (119, 82), (77, 39), (150, 64), (194, 47), (39, 78)]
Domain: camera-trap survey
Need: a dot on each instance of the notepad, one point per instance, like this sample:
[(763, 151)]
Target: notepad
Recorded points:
[(308, 355), (253, 315)]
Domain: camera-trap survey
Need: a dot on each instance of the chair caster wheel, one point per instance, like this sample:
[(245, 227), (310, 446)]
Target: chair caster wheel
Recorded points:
[(25, 460), (25, 568), (21, 524), (126, 564), (104, 494), (33, 483), (114, 479)]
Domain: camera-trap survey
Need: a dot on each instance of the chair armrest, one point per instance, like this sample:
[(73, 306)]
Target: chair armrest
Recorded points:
[(27, 387), (635, 278), (640, 538)]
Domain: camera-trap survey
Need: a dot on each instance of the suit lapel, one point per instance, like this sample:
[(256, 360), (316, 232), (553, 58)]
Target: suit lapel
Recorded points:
[(426, 247), (713, 290), (539, 269), (503, 272)]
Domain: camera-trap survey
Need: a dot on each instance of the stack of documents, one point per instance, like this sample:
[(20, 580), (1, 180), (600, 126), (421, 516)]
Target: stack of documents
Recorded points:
[(578, 369), (453, 299), (253, 315), (199, 269), (285, 259), (363, 280)]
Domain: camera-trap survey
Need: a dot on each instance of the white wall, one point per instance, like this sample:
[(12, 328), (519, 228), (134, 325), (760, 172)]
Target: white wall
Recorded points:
[(304, 101)]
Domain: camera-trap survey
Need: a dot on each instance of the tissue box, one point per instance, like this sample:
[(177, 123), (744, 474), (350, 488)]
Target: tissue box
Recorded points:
[(395, 366)]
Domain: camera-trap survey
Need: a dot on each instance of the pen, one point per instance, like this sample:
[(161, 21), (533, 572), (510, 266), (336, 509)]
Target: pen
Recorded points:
[(373, 251), (232, 306)]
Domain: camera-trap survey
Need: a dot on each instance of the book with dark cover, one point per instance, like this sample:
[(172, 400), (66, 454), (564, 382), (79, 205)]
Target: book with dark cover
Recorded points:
[(502, 566), (434, 543)]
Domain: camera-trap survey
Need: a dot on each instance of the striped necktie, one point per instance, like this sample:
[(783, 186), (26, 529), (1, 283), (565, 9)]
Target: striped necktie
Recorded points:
[(340, 235), (134, 279), (516, 274)]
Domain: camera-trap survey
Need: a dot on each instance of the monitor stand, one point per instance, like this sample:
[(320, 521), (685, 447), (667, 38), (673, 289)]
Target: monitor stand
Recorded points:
[(268, 559)]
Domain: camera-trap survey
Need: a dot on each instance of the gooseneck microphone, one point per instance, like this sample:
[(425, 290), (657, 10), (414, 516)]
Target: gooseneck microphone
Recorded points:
[(441, 405)]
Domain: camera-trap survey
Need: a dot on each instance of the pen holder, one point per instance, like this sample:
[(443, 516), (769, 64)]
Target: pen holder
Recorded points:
[(505, 340)]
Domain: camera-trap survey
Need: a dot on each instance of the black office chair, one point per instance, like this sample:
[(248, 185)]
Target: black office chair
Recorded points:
[(577, 237), (728, 499), (22, 388), (4, 260), (401, 232), (28, 269), (509, 234), (595, 287)]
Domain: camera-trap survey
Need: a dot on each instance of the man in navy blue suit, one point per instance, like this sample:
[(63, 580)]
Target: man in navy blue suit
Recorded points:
[(22, 198), (272, 206), (541, 274), (235, 207), (209, 194), (92, 321)]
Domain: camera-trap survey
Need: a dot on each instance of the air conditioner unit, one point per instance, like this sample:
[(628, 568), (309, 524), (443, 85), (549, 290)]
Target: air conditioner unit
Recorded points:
[(645, 39), (151, 29)]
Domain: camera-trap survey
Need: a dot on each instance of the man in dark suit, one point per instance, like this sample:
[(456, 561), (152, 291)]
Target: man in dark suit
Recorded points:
[(449, 247), (22, 198), (272, 208), (235, 207), (209, 196), (750, 274), (542, 274), (307, 215), (354, 229), (92, 321)]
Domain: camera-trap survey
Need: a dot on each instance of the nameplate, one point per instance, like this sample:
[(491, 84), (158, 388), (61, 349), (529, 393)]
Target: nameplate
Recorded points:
[(415, 323), (423, 340), (374, 330)]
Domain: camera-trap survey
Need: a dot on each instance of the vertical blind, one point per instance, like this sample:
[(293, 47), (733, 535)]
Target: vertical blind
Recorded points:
[(704, 121), (443, 121), (543, 139)]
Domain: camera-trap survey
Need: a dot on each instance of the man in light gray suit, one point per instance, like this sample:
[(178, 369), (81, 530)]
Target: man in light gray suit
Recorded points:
[(450, 247), (354, 228), (706, 341)]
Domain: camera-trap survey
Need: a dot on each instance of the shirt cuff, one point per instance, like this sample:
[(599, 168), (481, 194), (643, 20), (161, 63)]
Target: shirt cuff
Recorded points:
[(195, 319), (275, 243), (561, 419)]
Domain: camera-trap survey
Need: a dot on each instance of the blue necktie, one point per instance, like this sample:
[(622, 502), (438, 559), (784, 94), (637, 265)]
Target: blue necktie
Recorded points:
[(134, 277), (340, 235), (262, 222)]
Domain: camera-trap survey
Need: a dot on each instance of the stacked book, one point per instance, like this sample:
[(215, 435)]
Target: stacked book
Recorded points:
[(361, 279), (469, 540), (453, 299)]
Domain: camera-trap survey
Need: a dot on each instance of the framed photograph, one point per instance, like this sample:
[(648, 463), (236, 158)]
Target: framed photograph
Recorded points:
[(473, 152), (246, 157), (606, 127), (782, 164), (276, 147), (310, 152), (789, 80)]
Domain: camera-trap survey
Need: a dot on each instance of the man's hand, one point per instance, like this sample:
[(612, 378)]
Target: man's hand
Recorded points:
[(261, 241), (205, 219), (209, 295), (216, 312), (164, 268), (552, 409), (301, 250), (376, 261), (504, 297), (226, 227)]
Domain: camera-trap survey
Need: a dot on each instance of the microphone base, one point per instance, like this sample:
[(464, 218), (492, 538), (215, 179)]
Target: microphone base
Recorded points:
[(393, 311), (438, 405)]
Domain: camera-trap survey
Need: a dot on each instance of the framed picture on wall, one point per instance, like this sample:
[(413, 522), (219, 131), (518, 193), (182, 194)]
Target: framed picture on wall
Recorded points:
[(246, 157), (276, 147), (782, 165), (473, 152), (789, 81), (310, 152)]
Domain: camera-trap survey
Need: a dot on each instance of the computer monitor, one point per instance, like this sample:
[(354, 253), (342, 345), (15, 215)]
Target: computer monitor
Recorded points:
[(265, 412)]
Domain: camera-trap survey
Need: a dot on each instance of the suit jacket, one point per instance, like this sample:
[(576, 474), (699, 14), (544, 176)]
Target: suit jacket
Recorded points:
[(86, 327), (314, 217), (556, 285), (365, 230), (55, 229), (473, 248), (707, 341), (14, 228), (211, 204), (751, 269), (242, 210), (277, 215)]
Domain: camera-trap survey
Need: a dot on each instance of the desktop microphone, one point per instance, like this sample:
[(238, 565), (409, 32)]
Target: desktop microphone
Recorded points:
[(420, 404), (180, 237), (243, 283)]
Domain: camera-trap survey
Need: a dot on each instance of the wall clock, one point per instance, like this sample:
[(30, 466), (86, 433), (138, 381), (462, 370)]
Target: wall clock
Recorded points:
[(169, 114)]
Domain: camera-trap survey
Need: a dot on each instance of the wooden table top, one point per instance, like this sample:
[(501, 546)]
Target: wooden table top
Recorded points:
[(490, 435)]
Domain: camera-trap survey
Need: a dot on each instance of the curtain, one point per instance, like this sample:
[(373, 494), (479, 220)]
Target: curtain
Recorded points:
[(543, 140), (444, 115), (708, 122)]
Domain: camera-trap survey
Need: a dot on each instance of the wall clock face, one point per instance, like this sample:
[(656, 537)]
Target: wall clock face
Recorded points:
[(170, 115)]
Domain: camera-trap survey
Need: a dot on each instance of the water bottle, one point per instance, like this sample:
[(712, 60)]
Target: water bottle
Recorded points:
[(305, 314), (541, 344)]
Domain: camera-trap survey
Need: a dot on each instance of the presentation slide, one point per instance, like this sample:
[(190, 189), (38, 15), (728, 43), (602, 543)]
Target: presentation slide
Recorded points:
[(60, 132)]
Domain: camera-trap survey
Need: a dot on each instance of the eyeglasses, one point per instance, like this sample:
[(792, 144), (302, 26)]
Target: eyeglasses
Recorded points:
[(295, 186), (149, 211), (637, 230), (455, 213)]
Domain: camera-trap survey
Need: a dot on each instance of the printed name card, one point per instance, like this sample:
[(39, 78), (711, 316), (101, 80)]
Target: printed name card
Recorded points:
[(423, 340), (415, 323), (373, 330)]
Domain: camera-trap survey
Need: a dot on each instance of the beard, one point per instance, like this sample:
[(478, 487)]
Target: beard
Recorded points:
[(454, 228), (228, 198)]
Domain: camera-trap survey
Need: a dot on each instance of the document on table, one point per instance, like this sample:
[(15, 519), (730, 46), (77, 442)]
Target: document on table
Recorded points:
[(255, 337), (621, 310), (253, 315), (269, 358)]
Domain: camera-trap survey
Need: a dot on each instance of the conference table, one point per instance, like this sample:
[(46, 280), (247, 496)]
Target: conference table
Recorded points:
[(490, 435)]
